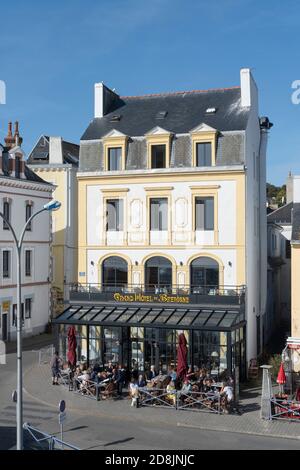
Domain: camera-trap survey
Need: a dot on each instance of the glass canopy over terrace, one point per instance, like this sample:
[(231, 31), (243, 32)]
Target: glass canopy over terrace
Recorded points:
[(160, 317)]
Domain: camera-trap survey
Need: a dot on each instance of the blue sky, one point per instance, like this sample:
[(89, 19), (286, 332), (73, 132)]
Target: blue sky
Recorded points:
[(52, 53)]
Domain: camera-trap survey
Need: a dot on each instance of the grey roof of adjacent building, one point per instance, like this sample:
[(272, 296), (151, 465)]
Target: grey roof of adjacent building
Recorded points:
[(184, 111), (40, 153), (282, 215), (296, 222), (289, 214), (29, 174)]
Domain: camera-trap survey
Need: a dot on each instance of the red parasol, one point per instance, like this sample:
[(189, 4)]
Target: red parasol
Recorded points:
[(281, 378), (182, 357), (72, 344)]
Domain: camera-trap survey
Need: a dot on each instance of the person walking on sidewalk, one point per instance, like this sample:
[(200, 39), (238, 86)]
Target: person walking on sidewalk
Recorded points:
[(55, 363)]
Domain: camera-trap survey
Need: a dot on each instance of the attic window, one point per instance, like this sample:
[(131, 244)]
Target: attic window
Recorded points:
[(210, 110), (115, 118), (161, 114)]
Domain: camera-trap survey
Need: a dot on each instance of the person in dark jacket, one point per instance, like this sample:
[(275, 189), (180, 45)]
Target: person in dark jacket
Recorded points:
[(55, 363), (120, 379)]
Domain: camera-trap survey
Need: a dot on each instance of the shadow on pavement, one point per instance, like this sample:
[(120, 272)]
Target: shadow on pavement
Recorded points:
[(8, 440)]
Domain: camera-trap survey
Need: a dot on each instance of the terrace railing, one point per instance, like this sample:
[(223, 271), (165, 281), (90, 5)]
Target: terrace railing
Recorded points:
[(194, 294)]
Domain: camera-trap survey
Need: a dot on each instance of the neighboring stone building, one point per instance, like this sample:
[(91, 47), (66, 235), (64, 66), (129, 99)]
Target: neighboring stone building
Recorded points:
[(23, 193), (56, 161), (172, 229)]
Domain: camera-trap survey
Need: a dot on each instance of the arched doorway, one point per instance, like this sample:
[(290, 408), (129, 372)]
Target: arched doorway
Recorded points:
[(158, 273), (114, 273), (204, 274)]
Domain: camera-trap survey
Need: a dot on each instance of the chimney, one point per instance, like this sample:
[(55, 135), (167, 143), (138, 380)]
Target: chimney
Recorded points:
[(18, 139), (98, 113), (249, 93), (105, 100), (55, 151), (9, 139)]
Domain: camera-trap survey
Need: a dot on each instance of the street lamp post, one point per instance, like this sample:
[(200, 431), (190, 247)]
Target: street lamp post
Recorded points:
[(52, 205)]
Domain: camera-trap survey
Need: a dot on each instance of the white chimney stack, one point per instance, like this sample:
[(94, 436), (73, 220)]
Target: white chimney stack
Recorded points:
[(55, 151), (98, 113), (249, 93)]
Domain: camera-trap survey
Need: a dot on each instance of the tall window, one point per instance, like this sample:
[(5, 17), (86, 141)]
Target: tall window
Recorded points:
[(204, 272), (28, 214), (204, 207), (6, 213), (17, 167), (115, 158), (159, 214), (28, 262), (6, 264), (114, 272), (114, 211), (158, 156), (158, 272), (28, 308), (203, 154)]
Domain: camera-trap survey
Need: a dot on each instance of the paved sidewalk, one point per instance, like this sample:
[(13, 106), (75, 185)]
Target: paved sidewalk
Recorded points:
[(37, 384), (31, 343)]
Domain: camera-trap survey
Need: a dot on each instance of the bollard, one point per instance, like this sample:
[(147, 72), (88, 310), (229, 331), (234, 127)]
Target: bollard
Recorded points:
[(266, 395)]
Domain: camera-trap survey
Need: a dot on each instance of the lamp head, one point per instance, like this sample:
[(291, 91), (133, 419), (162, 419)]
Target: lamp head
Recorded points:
[(52, 205)]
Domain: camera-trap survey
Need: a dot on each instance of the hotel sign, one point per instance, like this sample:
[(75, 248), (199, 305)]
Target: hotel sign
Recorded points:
[(152, 298)]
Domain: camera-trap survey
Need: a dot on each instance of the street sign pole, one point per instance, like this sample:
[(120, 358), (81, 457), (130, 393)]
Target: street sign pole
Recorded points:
[(61, 419)]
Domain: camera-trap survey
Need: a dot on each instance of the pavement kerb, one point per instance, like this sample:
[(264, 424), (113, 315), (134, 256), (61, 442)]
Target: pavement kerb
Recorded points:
[(206, 428)]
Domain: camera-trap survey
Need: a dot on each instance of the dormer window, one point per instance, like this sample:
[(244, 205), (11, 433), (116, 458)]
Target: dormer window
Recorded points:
[(158, 148), (203, 154), (158, 156), (114, 146), (114, 158), (204, 145)]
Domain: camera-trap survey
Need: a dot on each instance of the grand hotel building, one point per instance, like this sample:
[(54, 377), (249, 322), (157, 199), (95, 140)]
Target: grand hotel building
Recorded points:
[(171, 229)]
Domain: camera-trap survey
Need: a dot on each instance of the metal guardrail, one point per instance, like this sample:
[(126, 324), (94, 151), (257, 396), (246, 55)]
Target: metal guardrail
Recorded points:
[(234, 295), (41, 437), (285, 409), (89, 388), (179, 400), (157, 396), (197, 401)]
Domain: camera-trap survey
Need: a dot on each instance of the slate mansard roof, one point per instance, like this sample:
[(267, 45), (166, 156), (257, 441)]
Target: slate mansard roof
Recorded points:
[(40, 153), (184, 111)]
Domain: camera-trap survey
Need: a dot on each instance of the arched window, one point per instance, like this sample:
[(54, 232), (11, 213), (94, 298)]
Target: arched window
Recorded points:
[(114, 272), (158, 273), (204, 272)]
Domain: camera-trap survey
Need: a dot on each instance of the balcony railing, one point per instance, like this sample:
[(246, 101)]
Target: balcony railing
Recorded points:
[(196, 294)]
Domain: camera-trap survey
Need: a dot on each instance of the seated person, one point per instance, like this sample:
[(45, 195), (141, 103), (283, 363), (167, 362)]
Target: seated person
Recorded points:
[(227, 393), (84, 379), (172, 373), (207, 387), (152, 373), (171, 390), (190, 374), (141, 381), (109, 368), (133, 388), (186, 387)]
